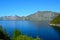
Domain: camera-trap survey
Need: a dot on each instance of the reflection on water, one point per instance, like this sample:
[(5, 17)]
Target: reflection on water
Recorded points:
[(57, 29), (32, 28)]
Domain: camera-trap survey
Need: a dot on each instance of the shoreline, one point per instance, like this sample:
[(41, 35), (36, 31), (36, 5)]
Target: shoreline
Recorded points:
[(58, 25)]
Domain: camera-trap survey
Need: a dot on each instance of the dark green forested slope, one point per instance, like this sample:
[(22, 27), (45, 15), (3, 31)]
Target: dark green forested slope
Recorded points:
[(56, 20)]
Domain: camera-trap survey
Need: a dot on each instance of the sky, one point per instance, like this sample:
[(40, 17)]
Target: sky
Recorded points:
[(27, 7)]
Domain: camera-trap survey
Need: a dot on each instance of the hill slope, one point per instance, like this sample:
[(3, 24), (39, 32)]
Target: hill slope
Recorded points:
[(56, 20), (42, 15)]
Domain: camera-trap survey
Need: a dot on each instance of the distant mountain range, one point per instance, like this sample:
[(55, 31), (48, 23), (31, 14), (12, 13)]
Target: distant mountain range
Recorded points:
[(37, 16)]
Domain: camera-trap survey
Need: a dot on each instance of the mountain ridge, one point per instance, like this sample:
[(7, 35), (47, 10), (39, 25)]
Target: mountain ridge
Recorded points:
[(42, 15), (39, 15)]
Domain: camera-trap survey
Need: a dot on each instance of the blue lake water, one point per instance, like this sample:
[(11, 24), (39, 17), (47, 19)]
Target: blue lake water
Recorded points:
[(32, 28)]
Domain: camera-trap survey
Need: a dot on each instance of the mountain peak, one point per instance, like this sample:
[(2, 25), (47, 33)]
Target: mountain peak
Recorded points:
[(43, 11)]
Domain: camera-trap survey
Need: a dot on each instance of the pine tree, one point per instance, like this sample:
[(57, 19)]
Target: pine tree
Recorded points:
[(16, 33)]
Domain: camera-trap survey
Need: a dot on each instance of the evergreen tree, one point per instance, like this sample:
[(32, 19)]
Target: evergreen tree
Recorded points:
[(3, 34), (15, 34)]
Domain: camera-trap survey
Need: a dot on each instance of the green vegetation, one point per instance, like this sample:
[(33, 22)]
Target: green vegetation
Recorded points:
[(56, 20), (24, 37), (17, 35), (3, 34)]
